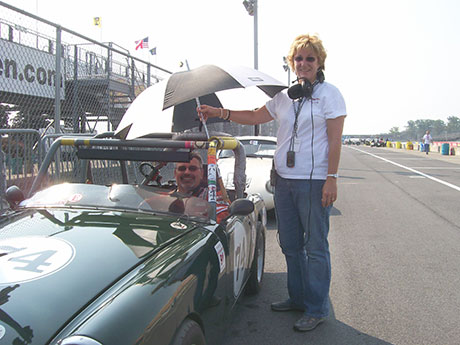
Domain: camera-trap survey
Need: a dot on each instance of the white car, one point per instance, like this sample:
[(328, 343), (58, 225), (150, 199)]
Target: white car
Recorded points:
[(259, 157)]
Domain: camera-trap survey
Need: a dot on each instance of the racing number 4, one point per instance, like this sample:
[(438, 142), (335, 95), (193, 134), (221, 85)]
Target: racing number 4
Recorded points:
[(34, 260)]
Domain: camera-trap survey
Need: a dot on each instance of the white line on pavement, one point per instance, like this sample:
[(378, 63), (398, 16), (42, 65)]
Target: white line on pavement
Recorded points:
[(410, 169)]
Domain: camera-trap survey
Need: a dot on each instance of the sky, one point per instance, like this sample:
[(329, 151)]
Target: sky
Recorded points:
[(394, 60)]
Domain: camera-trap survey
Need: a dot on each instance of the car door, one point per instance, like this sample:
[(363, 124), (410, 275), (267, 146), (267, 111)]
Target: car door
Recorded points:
[(240, 232)]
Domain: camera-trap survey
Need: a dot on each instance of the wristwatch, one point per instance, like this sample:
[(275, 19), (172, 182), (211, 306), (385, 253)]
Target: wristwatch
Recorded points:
[(333, 175)]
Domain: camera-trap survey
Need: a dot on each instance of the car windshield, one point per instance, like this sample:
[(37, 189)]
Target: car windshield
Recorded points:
[(254, 148), (120, 197)]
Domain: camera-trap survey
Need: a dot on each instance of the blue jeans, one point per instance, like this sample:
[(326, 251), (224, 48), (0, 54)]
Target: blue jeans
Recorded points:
[(426, 148), (303, 225)]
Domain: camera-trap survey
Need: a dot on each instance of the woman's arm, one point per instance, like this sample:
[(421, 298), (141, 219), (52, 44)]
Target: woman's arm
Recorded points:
[(334, 136), (244, 117)]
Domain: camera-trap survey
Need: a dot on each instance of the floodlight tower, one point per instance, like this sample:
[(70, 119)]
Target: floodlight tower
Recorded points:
[(251, 7)]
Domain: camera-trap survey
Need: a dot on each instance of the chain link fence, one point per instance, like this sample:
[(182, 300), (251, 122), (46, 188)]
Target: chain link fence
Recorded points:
[(54, 81)]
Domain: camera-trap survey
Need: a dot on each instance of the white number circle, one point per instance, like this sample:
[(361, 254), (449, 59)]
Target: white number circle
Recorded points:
[(24, 259)]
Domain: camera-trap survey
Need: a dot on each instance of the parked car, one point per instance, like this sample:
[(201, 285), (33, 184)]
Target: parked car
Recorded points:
[(259, 159), (112, 263), (352, 141), (378, 142)]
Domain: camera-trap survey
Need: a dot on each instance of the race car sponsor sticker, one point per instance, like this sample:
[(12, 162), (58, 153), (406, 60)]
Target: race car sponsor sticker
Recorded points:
[(75, 198), (24, 259), (240, 258), (220, 255), (212, 193)]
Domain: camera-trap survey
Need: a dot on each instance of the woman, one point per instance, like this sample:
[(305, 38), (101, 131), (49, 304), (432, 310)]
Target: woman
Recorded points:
[(310, 116)]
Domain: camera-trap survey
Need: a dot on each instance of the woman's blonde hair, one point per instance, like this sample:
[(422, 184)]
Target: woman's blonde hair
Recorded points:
[(307, 41)]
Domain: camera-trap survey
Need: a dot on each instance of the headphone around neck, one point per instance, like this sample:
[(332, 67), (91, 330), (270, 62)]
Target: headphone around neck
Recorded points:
[(305, 89)]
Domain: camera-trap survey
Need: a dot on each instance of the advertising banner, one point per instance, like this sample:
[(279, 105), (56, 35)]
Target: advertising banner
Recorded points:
[(28, 71)]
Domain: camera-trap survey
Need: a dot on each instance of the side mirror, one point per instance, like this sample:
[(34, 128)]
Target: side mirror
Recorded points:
[(241, 207), (14, 196)]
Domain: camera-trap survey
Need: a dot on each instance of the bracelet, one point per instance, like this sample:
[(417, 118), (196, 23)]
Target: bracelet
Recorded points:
[(221, 113), (227, 118)]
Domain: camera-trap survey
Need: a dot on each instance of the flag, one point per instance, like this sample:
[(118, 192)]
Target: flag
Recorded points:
[(97, 21), (153, 51), (142, 43)]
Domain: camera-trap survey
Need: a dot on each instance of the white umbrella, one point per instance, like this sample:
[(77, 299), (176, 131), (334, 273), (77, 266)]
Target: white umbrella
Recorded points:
[(146, 115), (139, 119)]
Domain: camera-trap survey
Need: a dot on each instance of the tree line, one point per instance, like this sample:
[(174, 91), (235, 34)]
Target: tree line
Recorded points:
[(415, 130), (12, 116)]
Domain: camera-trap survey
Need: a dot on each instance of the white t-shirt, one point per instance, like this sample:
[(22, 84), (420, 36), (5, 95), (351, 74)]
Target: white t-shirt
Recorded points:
[(326, 103), (427, 139)]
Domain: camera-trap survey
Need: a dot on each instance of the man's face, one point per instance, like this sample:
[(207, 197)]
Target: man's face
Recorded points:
[(188, 175)]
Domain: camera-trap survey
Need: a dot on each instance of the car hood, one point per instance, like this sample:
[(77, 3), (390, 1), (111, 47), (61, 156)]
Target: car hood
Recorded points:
[(54, 262), (256, 168)]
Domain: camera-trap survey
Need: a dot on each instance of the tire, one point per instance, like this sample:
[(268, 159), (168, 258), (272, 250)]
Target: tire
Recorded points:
[(189, 333), (257, 269)]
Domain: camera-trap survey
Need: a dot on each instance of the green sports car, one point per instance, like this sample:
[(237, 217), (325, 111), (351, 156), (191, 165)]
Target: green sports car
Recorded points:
[(96, 254)]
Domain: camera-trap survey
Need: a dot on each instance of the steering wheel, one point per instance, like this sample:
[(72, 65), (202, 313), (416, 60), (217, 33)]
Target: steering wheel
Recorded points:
[(151, 176)]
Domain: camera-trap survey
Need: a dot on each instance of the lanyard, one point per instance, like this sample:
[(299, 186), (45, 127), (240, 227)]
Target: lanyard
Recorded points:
[(296, 124)]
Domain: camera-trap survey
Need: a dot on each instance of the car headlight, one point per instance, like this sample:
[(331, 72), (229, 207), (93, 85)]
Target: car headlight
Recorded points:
[(78, 340), (269, 187)]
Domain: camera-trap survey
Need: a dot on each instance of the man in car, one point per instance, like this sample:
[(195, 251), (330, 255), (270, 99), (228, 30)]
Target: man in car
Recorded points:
[(189, 180), (189, 176)]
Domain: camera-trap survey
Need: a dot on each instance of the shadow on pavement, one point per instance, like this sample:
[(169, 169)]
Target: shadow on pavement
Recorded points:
[(253, 323)]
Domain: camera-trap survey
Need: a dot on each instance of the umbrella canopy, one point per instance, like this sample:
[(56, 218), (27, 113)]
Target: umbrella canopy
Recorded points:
[(146, 114), (207, 79), (170, 105)]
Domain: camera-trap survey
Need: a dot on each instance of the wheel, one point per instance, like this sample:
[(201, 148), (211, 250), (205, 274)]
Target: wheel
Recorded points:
[(189, 333), (257, 269)]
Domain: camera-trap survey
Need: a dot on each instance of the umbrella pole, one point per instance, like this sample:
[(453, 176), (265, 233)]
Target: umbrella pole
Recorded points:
[(197, 100)]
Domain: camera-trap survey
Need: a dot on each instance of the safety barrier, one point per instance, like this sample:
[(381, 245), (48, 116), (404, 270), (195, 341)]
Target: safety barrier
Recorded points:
[(451, 148)]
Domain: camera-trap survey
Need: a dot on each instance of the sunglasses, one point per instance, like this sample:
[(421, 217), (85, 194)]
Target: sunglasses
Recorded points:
[(308, 59), (191, 168)]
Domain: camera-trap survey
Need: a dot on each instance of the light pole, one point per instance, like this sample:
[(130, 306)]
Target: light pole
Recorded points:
[(287, 69), (251, 7)]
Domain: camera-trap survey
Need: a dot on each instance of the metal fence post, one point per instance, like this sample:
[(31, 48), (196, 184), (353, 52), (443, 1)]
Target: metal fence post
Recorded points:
[(57, 82), (148, 75)]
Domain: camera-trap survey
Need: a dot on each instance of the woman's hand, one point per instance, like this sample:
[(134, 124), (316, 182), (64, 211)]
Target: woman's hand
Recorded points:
[(329, 192), (208, 111)]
